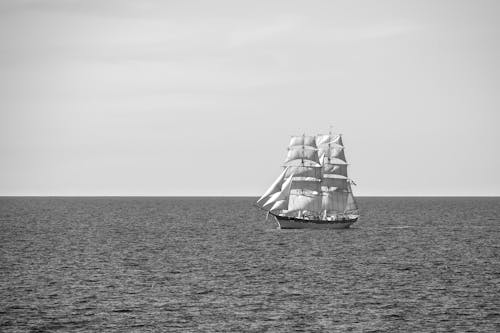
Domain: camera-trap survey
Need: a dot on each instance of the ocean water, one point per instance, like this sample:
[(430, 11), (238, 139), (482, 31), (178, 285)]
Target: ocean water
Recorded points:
[(216, 265)]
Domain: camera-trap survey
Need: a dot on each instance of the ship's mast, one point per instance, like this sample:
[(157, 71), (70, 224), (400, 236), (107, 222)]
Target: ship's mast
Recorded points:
[(336, 191), (299, 212)]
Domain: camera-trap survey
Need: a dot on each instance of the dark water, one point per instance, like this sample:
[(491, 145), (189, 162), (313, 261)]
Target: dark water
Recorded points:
[(215, 265)]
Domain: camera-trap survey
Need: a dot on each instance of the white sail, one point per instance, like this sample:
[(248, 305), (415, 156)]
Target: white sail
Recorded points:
[(321, 158), (338, 152), (351, 203), (275, 187), (303, 140), (334, 202), (338, 202), (329, 139), (281, 195), (332, 152), (279, 205), (338, 183), (332, 169), (306, 185), (338, 140), (296, 153), (322, 139), (308, 202), (335, 161), (303, 171), (331, 175)]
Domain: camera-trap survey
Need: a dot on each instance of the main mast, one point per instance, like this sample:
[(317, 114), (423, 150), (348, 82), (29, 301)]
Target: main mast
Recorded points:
[(304, 170), (337, 198)]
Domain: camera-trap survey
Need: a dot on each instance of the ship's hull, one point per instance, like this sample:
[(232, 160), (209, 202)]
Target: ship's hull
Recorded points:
[(286, 222)]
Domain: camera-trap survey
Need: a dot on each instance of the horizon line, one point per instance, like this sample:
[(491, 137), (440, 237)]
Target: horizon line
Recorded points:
[(236, 196)]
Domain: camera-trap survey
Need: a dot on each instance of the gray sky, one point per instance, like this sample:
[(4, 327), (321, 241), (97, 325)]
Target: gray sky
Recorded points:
[(200, 97)]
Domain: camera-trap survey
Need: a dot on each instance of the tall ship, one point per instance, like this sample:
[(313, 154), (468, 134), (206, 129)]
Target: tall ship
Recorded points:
[(313, 191)]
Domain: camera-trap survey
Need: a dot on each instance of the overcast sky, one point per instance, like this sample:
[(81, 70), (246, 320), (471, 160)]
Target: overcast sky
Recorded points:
[(200, 97)]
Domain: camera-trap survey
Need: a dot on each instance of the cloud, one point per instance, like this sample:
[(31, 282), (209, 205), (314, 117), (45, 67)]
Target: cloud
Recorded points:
[(376, 31), (302, 31)]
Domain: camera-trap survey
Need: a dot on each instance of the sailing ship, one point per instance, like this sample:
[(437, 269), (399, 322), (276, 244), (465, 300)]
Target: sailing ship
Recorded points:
[(313, 191)]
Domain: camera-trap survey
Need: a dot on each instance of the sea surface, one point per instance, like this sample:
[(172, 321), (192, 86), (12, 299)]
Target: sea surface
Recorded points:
[(216, 265)]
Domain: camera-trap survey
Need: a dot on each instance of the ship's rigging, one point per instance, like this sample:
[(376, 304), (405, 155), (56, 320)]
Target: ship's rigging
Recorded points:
[(314, 182)]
